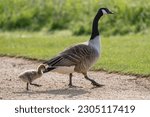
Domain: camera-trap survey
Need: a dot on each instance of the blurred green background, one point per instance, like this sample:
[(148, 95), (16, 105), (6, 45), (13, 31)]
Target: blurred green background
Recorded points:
[(76, 15), (42, 28)]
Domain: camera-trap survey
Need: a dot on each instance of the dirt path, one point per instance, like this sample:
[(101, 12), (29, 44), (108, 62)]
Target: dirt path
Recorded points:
[(55, 85)]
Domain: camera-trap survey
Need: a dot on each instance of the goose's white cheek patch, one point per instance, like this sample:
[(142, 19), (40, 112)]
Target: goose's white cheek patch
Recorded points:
[(104, 12)]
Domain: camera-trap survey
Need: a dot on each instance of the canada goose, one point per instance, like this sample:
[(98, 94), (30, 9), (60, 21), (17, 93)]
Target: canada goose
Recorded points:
[(30, 75), (81, 57)]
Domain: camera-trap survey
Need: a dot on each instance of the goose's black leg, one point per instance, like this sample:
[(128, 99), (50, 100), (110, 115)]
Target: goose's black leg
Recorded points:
[(93, 82), (70, 80)]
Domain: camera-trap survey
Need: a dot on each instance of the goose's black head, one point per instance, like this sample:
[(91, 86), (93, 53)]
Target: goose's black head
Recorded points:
[(104, 11)]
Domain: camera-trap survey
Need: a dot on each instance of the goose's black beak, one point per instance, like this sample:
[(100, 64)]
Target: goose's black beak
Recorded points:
[(110, 12)]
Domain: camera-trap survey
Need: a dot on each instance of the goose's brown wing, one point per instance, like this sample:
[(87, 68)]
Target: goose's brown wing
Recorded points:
[(71, 56)]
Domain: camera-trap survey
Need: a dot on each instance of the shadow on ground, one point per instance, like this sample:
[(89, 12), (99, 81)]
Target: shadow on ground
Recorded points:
[(70, 92)]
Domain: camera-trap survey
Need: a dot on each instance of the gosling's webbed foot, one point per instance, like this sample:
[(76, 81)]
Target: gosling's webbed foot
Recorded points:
[(37, 85)]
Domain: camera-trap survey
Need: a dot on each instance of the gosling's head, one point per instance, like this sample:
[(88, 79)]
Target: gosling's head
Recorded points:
[(41, 67)]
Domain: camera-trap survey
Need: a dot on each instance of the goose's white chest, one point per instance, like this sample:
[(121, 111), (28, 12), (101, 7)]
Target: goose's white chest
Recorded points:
[(95, 43)]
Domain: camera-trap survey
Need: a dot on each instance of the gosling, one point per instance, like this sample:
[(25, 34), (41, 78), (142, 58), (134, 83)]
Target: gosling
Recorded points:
[(30, 75)]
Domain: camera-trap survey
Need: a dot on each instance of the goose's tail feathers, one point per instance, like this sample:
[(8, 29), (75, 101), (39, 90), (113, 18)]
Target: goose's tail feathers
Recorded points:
[(49, 68)]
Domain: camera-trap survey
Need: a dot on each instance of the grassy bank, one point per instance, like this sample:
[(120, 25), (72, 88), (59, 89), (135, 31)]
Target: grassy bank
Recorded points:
[(76, 15), (125, 54)]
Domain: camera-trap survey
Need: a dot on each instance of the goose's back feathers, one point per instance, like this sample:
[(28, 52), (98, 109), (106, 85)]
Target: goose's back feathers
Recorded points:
[(81, 56)]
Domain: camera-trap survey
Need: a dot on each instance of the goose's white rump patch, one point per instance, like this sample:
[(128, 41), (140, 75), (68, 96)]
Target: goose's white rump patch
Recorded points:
[(64, 69)]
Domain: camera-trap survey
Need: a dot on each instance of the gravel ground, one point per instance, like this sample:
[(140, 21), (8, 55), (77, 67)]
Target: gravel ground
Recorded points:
[(55, 86)]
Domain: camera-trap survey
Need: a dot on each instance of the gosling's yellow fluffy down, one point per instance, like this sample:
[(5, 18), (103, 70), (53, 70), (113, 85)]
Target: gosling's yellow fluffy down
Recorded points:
[(30, 75)]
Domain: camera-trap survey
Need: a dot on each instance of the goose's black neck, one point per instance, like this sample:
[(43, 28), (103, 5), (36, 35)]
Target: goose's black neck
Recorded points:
[(95, 31)]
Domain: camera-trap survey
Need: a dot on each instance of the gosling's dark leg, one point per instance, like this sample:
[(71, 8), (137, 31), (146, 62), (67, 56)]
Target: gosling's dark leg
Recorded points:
[(37, 85), (27, 87), (94, 83), (70, 80)]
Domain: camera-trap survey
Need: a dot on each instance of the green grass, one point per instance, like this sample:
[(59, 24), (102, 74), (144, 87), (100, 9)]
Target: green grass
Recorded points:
[(130, 16), (125, 54)]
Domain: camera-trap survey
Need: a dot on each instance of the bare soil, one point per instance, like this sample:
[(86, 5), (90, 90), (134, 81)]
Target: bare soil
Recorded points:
[(55, 86)]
